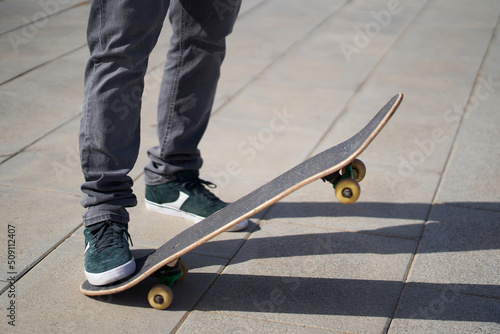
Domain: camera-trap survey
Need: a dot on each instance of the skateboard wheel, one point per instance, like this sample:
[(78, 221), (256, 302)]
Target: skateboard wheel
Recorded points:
[(184, 269), (347, 191), (160, 296), (359, 169)]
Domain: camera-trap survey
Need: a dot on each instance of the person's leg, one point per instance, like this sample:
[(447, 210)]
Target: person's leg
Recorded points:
[(121, 35), (197, 49)]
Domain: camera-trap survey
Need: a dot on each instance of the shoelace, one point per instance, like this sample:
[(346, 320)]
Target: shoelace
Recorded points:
[(104, 235), (198, 186)]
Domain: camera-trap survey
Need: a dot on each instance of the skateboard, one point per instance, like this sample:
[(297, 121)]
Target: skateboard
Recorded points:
[(337, 165)]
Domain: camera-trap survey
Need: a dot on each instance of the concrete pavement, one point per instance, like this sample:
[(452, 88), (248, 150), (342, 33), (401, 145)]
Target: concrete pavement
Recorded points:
[(418, 253)]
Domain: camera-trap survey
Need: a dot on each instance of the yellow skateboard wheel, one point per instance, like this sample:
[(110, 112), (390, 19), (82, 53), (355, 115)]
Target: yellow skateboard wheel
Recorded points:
[(347, 191), (359, 169), (160, 296)]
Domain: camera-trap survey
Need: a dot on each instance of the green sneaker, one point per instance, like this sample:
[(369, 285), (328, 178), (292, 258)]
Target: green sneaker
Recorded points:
[(187, 197), (107, 254)]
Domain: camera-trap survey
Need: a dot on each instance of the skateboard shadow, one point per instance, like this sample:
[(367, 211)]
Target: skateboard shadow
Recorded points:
[(438, 229), (414, 211), (302, 279), (292, 296), (450, 227), (295, 296)]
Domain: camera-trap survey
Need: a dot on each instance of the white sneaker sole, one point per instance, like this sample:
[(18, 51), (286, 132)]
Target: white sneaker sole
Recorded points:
[(165, 210), (112, 275)]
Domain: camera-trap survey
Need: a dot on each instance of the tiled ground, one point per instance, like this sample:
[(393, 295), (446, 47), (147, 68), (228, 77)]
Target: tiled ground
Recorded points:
[(419, 252)]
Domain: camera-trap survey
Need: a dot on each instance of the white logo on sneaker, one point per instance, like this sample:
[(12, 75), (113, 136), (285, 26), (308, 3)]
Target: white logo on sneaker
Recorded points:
[(178, 203), (87, 247)]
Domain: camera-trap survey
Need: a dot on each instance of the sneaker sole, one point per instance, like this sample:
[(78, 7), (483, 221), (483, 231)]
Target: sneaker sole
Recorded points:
[(165, 210), (112, 275)]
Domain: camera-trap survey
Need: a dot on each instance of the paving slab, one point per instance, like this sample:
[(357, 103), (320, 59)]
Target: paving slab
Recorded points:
[(40, 221), (272, 17), (28, 122), (43, 42), (461, 46), (40, 101), (460, 247), (322, 59), (15, 14), (477, 144), (438, 308), (52, 163), (465, 180), (60, 80), (212, 322), (250, 51), (324, 278)]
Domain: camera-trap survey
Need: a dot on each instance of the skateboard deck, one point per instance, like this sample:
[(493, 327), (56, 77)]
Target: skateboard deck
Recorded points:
[(334, 165)]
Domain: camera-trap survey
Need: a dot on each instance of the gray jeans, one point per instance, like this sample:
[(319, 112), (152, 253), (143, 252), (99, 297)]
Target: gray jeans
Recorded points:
[(121, 35)]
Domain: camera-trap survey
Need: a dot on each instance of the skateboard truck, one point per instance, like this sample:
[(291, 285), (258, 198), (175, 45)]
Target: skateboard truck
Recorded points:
[(345, 181), (160, 296)]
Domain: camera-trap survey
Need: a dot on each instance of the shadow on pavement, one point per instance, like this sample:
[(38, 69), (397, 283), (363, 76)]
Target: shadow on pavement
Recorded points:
[(452, 227)]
